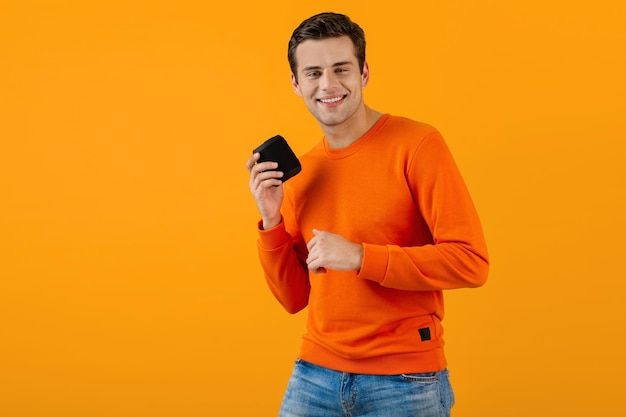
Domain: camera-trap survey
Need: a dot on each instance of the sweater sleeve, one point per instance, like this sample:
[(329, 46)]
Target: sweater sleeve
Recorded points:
[(284, 263), (457, 256)]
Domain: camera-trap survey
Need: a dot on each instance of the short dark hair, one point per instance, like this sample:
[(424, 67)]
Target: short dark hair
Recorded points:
[(323, 26)]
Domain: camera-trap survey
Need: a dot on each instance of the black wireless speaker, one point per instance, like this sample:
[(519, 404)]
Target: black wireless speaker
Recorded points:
[(276, 149)]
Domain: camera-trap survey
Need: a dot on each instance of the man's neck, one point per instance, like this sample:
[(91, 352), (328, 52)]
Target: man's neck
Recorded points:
[(350, 131)]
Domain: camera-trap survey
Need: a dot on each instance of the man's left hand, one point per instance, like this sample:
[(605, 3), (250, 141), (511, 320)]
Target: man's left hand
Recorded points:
[(331, 251)]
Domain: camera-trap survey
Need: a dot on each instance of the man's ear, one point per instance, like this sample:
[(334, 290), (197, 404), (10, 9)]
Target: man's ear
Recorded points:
[(295, 85), (365, 74)]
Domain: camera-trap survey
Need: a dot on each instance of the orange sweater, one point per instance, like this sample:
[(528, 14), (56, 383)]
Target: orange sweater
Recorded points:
[(397, 191)]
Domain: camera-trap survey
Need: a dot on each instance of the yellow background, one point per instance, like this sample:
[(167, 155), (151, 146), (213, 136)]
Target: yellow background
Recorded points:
[(129, 283)]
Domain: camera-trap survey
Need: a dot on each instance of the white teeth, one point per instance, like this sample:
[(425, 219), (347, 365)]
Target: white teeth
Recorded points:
[(330, 100)]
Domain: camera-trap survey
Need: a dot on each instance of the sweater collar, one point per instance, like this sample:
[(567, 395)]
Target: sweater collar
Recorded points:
[(357, 144)]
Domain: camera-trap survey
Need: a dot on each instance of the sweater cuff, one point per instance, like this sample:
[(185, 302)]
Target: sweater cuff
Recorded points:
[(375, 261), (274, 237)]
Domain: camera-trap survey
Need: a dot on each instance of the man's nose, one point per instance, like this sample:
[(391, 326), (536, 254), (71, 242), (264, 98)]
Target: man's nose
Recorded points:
[(328, 81)]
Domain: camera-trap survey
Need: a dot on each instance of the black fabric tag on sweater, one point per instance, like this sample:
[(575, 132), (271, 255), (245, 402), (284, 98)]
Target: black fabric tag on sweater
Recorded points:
[(424, 334)]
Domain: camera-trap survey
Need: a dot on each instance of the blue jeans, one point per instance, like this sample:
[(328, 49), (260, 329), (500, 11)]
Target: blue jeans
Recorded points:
[(314, 391)]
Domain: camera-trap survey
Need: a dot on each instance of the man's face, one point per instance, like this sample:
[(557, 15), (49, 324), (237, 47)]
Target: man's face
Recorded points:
[(330, 80)]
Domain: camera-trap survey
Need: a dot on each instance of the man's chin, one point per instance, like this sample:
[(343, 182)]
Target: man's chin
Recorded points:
[(329, 120)]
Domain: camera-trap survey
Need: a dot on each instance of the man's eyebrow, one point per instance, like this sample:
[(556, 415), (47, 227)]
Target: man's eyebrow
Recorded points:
[(342, 63), (336, 64)]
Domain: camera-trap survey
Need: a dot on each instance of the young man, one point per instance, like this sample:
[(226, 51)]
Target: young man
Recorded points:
[(368, 235)]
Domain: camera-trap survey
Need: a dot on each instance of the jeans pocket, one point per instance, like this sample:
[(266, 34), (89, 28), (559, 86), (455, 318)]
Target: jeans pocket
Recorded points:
[(424, 378)]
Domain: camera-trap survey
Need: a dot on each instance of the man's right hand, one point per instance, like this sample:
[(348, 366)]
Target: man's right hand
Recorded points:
[(266, 188)]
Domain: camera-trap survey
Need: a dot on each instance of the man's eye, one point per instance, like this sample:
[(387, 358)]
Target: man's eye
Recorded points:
[(313, 74)]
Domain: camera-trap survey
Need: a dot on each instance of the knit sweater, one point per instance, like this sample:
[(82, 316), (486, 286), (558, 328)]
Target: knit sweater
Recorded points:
[(398, 192)]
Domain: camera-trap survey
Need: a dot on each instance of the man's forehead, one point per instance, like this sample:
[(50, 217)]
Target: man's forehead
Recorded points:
[(324, 52)]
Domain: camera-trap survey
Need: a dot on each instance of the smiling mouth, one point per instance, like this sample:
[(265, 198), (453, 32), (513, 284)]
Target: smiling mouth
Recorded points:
[(331, 100)]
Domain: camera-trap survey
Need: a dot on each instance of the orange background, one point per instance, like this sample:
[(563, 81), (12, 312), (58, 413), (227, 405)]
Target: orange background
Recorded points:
[(129, 283)]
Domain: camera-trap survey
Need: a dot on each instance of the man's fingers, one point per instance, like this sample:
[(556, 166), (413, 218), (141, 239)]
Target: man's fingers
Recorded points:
[(264, 167), (262, 172), (314, 265), (316, 237), (252, 160)]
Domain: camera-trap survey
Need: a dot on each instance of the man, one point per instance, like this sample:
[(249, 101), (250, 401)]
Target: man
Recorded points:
[(368, 235)]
